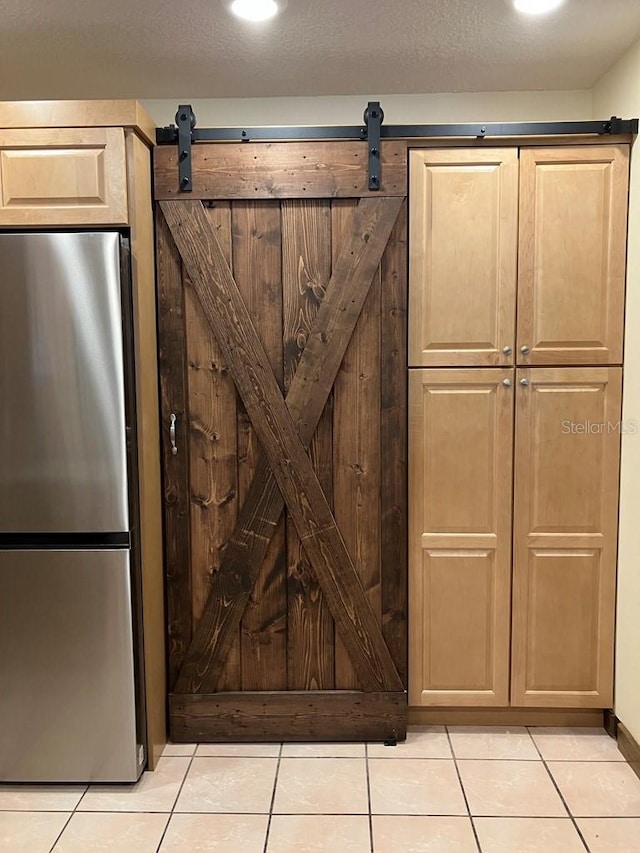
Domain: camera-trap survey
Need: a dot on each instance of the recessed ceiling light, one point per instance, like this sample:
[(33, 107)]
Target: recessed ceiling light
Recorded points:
[(537, 7), (255, 10)]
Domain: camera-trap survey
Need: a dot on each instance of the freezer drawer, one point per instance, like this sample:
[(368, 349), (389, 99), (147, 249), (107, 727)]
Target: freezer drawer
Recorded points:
[(62, 417), (67, 698)]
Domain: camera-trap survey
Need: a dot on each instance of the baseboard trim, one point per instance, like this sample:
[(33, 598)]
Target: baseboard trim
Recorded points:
[(287, 716), (611, 724), (629, 747), (506, 717)]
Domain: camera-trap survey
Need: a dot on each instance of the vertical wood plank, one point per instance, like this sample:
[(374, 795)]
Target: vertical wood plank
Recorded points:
[(393, 434), (212, 438), (212, 448), (173, 390), (257, 265), (306, 258), (356, 447)]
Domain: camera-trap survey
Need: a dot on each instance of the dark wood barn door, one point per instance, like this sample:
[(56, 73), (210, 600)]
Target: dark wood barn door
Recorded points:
[(282, 294)]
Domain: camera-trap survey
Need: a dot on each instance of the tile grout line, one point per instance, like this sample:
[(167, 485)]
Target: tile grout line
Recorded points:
[(366, 765), (135, 812), (556, 786), (59, 835), (449, 815), (464, 793), (84, 793), (273, 798), (175, 802)]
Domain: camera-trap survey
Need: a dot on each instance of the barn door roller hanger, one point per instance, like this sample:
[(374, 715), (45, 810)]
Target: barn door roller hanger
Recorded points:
[(185, 133)]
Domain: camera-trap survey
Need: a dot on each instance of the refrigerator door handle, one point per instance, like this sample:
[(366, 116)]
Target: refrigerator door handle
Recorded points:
[(172, 434)]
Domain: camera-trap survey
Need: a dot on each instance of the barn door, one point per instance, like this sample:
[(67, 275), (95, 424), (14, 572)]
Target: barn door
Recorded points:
[(282, 349)]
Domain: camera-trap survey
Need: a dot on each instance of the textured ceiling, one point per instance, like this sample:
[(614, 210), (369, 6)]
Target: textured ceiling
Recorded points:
[(195, 49)]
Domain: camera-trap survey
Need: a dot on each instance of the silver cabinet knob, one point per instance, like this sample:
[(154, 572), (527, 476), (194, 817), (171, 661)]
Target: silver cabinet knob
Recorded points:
[(507, 350), (507, 383), (524, 382), (525, 350)]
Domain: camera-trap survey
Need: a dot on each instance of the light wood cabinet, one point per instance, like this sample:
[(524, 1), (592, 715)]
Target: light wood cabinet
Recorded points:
[(63, 176), (462, 256), (462, 629), (573, 235), (549, 641), (569, 250), (567, 458), (460, 475)]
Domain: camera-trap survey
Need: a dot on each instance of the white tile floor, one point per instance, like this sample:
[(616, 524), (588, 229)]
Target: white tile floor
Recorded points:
[(455, 790)]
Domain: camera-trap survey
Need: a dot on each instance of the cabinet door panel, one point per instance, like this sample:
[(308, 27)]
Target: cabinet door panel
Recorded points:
[(463, 252), (566, 508), (460, 464), (64, 177), (573, 233)]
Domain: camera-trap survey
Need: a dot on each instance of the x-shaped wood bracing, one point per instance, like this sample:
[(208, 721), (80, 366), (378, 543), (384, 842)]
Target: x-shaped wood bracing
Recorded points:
[(285, 429)]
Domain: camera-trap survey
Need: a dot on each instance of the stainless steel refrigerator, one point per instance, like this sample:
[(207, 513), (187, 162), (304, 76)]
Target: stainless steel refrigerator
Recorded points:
[(70, 673)]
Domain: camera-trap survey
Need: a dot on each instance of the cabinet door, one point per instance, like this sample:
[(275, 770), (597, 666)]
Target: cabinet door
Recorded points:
[(67, 176), (566, 511), (463, 254), (573, 236), (460, 497)]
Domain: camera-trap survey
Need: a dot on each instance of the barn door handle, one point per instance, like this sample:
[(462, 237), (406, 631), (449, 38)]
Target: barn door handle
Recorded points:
[(172, 434)]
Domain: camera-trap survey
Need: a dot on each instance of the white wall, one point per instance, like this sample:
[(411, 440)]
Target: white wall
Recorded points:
[(619, 93), (398, 109)]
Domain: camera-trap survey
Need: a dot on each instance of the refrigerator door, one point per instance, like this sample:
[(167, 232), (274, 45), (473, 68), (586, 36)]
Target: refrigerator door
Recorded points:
[(67, 701), (62, 415)]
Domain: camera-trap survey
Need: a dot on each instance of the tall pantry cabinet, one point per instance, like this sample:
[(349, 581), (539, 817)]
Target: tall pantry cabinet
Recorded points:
[(516, 315)]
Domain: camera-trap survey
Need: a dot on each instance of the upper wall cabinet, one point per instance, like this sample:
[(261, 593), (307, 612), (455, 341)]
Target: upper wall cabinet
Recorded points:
[(568, 256), (463, 254), (67, 176), (573, 226)]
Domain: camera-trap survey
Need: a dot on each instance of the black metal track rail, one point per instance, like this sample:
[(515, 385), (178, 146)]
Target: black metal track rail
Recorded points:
[(169, 135), (371, 131)]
